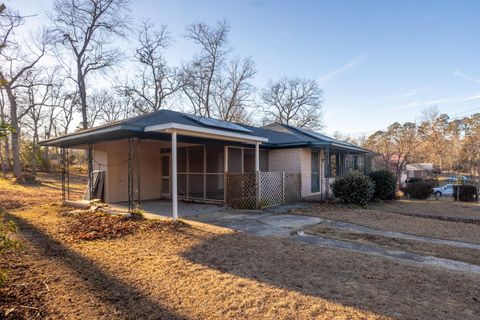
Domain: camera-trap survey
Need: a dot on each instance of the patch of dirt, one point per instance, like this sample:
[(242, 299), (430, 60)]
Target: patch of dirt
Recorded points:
[(384, 220), (424, 248), (90, 226)]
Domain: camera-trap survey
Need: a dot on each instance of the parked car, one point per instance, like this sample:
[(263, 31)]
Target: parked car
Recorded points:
[(443, 191)]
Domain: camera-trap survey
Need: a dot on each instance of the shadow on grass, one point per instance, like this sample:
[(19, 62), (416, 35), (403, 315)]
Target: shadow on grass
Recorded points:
[(365, 282), (128, 301)]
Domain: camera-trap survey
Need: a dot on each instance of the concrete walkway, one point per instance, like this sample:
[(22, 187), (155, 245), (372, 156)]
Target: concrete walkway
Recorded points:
[(262, 223)]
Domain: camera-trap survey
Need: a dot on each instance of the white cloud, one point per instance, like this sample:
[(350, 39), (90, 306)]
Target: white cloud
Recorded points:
[(419, 104), (343, 68), (460, 74), (474, 97)]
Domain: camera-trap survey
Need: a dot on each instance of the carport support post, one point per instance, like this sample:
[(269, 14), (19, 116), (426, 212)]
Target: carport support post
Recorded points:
[(174, 176), (257, 175), (328, 169)]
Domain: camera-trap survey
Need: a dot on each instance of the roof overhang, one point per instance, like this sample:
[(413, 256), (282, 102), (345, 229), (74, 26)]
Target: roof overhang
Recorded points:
[(88, 136), (202, 132)]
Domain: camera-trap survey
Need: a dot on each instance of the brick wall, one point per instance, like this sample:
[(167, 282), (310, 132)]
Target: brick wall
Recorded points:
[(297, 160)]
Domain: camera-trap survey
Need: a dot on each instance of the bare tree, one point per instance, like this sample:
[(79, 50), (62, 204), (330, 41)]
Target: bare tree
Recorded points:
[(105, 107), (396, 145), (85, 29), (38, 86), (234, 92), (294, 101), (200, 74), (154, 83), (16, 59)]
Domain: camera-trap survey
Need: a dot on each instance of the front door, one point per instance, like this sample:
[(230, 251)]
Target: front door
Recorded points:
[(165, 183)]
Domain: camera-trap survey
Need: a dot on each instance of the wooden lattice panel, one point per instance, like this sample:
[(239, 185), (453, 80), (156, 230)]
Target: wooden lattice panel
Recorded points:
[(292, 187), (271, 189), (241, 190)]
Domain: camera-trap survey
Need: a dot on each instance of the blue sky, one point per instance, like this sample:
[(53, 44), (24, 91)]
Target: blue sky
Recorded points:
[(377, 61)]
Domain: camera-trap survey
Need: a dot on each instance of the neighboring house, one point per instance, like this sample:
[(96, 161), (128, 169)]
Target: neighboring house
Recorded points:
[(168, 154), (418, 170)]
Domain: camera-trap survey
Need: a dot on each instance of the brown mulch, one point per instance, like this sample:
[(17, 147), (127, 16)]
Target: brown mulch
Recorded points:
[(88, 226), (22, 297)]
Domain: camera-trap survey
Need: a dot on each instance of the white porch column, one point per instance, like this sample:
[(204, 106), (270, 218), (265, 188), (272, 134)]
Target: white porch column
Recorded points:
[(174, 176), (257, 156)]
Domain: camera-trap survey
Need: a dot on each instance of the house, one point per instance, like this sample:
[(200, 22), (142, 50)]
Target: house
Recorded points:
[(418, 170), (172, 155)]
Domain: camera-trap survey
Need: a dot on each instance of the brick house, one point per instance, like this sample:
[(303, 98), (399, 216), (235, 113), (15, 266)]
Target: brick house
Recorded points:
[(172, 155)]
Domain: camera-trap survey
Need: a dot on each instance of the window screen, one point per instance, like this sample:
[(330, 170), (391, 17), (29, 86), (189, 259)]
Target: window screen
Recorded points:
[(215, 158), (248, 160), (315, 185), (182, 159), (195, 159), (234, 160)]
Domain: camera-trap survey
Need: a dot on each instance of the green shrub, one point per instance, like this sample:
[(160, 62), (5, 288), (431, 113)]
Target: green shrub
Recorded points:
[(465, 192), (419, 190), (385, 184), (354, 188)]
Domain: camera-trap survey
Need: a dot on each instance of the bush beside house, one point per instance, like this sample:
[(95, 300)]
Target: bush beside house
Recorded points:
[(465, 192), (385, 184), (418, 190), (354, 188)]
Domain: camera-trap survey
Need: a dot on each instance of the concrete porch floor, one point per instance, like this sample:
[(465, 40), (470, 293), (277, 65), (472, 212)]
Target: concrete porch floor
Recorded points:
[(164, 208)]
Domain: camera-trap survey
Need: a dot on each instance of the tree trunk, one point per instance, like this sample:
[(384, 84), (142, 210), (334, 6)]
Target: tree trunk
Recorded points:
[(34, 151), (15, 132), (2, 160), (83, 100), (7, 154)]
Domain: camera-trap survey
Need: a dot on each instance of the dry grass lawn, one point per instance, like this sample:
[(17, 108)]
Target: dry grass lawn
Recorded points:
[(379, 218), (442, 251), (441, 207), (205, 272)]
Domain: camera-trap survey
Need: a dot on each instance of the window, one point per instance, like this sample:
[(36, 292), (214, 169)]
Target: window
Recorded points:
[(355, 162), (315, 183)]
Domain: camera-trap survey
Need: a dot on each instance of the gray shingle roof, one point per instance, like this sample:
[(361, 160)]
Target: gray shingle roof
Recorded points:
[(289, 136)]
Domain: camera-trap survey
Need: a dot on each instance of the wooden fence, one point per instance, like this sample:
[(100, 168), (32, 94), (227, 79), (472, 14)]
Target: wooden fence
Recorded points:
[(262, 189)]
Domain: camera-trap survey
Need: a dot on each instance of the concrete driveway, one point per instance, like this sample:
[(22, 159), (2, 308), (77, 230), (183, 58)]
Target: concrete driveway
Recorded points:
[(258, 223), (261, 223)]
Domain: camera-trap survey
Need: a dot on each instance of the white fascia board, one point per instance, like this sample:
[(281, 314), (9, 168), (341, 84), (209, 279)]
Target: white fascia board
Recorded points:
[(205, 132)]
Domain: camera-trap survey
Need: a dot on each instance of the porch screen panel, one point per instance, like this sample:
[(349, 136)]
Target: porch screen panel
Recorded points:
[(195, 159), (215, 156), (182, 159), (234, 160), (264, 160), (195, 185), (315, 178), (182, 184), (248, 160), (215, 186)]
